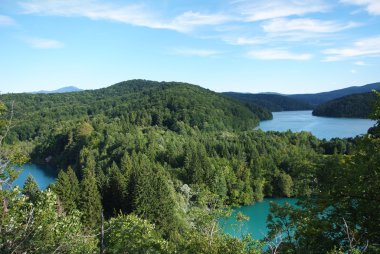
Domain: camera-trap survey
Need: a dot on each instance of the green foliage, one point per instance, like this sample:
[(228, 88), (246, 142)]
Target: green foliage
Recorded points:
[(342, 212), (271, 102), (31, 189), (284, 183), (355, 106), (67, 189), (154, 197), (41, 228), (134, 103), (3, 110), (165, 160), (320, 98), (375, 130), (198, 243), (90, 202), (130, 234)]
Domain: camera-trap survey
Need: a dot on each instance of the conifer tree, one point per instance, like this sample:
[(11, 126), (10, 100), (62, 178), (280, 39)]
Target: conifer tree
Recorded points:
[(90, 201), (31, 189), (67, 189), (116, 191), (154, 197)]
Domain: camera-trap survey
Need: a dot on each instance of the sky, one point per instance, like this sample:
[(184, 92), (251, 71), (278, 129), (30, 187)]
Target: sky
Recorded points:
[(285, 46)]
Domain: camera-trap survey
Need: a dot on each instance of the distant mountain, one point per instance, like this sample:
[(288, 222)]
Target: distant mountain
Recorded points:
[(271, 93), (67, 89), (352, 106), (272, 102), (319, 98)]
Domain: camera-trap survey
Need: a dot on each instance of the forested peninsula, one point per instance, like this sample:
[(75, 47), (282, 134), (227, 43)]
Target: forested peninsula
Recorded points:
[(350, 106), (150, 167)]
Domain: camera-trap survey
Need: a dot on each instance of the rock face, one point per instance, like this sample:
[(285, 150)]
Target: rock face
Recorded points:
[(48, 159)]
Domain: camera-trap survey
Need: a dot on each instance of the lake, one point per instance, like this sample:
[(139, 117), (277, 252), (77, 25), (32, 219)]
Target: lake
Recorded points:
[(43, 176), (321, 127), (257, 213)]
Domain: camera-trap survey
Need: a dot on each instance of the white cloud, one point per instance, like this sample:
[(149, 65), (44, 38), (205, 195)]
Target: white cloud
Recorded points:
[(283, 25), (6, 21), (245, 40), (353, 71), (132, 14), (368, 47), (264, 9), (278, 54), (43, 43), (190, 19), (360, 63), (196, 52), (371, 6)]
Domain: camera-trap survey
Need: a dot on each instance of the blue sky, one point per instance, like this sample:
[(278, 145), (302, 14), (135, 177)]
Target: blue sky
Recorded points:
[(287, 46)]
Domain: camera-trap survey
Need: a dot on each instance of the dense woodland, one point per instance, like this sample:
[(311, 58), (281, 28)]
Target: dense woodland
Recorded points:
[(355, 106), (320, 98), (157, 164), (272, 102)]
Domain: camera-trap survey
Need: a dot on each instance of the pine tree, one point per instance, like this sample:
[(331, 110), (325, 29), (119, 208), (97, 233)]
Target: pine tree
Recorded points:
[(31, 189), (90, 200), (116, 191), (154, 197), (67, 189)]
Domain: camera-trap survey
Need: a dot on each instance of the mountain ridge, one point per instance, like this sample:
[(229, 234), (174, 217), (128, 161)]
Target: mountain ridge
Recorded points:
[(66, 89), (272, 102), (318, 98)]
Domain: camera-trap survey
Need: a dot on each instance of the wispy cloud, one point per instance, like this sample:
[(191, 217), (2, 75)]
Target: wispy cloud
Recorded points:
[(277, 24), (368, 47), (284, 25), (133, 14), (278, 54), (6, 21), (360, 63), (196, 52), (371, 6), (43, 43), (245, 40), (189, 20), (264, 10)]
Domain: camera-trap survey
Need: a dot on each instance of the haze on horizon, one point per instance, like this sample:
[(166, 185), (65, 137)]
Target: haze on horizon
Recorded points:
[(284, 46)]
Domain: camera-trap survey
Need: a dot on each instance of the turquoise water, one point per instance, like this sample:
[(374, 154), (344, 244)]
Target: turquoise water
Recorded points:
[(257, 213), (43, 176), (321, 127)]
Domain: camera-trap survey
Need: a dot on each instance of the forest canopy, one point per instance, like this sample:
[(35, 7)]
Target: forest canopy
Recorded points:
[(166, 159)]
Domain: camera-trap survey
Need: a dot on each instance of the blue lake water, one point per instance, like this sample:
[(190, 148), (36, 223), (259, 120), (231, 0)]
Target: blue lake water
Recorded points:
[(43, 176), (257, 214), (321, 127)]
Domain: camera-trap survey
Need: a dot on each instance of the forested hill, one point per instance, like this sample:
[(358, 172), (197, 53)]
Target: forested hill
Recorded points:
[(136, 102), (319, 98), (355, 106), (272, 102)]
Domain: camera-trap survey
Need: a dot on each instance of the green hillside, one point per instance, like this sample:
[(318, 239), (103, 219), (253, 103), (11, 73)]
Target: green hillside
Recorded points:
[(272, 102), (319, 98), (352, 106), (135, 102)]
